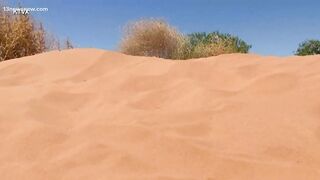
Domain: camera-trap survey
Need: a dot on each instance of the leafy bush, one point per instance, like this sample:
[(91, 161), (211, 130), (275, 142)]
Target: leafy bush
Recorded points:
[(20, 36), (215, 43), (309, 47), (152, 37)]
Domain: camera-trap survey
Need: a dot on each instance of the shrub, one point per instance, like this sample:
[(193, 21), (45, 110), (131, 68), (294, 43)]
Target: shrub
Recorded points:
[(215, 43), (152, 37), (212, 49), (21, 35), (309, 47)]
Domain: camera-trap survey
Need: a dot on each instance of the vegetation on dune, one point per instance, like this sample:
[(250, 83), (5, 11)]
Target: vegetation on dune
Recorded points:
[(155, 37), (21, 35), (152, 37), (216, 43), (309, 47)]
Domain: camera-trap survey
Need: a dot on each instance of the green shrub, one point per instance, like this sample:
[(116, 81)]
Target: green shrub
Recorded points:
[(152, 37), (215, 43), (309, 47)]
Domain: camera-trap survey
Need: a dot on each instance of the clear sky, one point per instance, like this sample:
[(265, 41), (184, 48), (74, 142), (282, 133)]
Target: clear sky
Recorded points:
[(273, 27)]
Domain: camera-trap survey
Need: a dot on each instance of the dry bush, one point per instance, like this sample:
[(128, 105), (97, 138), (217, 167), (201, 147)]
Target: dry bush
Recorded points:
[(21, 35), (152, 37)]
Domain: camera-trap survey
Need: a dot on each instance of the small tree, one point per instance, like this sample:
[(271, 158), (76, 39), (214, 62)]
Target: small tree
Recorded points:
[(68, 44), (309, 47), (41, 36)]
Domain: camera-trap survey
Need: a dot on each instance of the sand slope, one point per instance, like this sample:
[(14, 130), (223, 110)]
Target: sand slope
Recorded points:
[(92, 114)]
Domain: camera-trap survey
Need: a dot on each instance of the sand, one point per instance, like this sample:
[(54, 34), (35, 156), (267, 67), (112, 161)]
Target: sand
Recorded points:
[(92, 114)]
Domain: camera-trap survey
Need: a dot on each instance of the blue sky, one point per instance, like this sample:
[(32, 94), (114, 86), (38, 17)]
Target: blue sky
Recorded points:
[(273, 27)]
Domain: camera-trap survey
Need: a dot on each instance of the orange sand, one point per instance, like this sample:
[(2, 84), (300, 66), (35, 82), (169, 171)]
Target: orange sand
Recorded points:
[(92, 114)]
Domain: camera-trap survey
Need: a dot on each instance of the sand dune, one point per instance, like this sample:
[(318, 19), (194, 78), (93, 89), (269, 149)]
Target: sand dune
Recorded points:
[(94, 114)]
